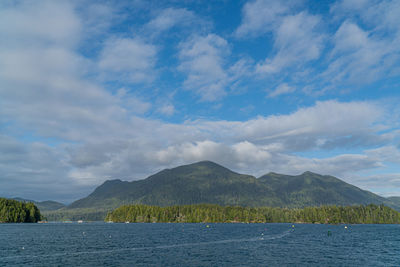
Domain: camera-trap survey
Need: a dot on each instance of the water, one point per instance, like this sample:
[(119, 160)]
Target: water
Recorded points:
[(102, 244)]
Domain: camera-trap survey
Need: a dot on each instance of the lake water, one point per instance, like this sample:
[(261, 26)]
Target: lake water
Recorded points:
[(98, 244)]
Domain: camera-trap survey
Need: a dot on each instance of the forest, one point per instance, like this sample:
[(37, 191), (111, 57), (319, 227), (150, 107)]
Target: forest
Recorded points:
[(12, 211), (210, 213), (86, 214)]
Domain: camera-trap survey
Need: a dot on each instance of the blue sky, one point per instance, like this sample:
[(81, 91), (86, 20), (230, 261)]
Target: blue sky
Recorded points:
[(97, 90)]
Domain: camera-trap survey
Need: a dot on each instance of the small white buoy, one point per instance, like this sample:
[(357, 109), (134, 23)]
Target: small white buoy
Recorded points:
[(345, 227), (23, 248)]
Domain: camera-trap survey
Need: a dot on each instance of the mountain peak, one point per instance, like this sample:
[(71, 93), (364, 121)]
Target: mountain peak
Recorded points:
[(206, 163), (208, 166), (310, 173)]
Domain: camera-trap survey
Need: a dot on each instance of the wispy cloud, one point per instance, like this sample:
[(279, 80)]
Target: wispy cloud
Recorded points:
[(283, 88), (297, 42), (262, 16), (127, 59), (202, 59), (168, 18), (166, 109)]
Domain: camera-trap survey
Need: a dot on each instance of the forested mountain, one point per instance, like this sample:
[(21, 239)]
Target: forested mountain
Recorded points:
[(13, 211), (47, 205), (208, 182), (394, 200), (311, 189)]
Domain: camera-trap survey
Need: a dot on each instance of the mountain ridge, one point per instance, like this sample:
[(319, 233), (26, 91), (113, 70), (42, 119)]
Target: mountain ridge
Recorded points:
[(47, 205), (209, 182)]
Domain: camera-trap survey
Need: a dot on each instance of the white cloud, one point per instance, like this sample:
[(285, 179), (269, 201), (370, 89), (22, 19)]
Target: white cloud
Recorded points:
[(171, 17), (44, 89), (302, 129), (127, 59), (363, 50), (255, 146), (35, 171), (43, 23), (377, 15), (261, 16), (132, 103), (201, 150), (297, 42), (283, 88), (349, 38), (359, 59), (166, 109), (363, 54), (97, 18), (345, 8), (202, 59), (384, 184), (248, 154), (386, 153)]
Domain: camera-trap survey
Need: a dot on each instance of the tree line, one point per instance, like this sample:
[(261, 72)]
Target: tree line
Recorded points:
[(86, 214), (12, 211), (210, 213)]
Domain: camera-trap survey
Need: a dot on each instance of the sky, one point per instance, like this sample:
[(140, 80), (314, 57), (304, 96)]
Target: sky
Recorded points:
[(97, 90)]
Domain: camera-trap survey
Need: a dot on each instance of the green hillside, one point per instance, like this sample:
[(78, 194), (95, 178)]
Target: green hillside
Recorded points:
[(208, 182), (311, 189), (47, 205), (394, 201), (13, 211)]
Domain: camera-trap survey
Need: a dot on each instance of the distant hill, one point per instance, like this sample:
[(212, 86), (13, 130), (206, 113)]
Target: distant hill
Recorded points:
[(47, 205), (395, 200), (208, 182)]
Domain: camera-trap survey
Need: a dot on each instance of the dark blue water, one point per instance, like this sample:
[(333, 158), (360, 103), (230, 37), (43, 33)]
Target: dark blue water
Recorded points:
[(99, 244)]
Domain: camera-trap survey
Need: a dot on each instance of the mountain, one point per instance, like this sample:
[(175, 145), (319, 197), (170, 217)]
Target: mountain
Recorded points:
[(395, 200), (312, 189), (203, 182), (47, 205), (208, 182)]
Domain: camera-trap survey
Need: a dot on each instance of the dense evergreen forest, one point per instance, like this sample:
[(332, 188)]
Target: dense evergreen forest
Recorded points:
[(76, 214), (12, 211), (371, 214)]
